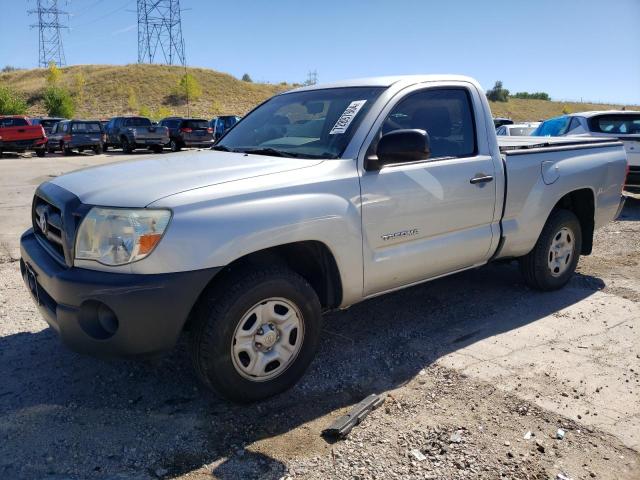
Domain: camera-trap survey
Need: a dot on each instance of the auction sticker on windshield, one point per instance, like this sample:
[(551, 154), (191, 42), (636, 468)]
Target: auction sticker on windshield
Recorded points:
[(347, 117)]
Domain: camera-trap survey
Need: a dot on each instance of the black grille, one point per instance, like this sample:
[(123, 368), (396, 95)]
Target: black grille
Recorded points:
[(56, 214), (47, 223)]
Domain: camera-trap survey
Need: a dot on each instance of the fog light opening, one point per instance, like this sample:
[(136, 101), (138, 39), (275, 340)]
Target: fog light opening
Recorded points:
[(97, 320)]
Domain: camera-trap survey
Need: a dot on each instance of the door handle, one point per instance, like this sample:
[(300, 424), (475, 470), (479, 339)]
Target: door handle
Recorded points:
[(481, 178)]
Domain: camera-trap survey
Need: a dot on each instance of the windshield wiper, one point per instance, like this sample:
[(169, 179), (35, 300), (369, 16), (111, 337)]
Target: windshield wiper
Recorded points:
[(222, 148), (269, 151)]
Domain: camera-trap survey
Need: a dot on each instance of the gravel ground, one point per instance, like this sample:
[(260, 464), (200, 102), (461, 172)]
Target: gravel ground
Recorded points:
[(66, 416)]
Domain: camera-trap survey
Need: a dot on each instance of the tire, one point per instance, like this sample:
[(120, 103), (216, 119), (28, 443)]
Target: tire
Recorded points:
[(224, 312), (553, 260), (40, 152), (174, 146), (126, 146), (105, 147), (65, 151), (98, 149)]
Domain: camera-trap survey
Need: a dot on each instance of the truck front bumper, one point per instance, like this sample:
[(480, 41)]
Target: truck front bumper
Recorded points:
[(110, 314)]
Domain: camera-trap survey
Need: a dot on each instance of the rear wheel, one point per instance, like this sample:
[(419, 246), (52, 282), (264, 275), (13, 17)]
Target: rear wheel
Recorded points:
[(255, 335), (174, 146), (98, 149), (65, 150), (126, 146), (554, 258), (41, 152)]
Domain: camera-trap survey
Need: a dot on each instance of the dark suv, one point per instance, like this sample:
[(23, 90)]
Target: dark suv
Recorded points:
[(223, 123), (47, 123), (130, 133), (188, 132), (80, 135)]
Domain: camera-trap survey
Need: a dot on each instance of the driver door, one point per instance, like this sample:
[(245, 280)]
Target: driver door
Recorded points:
[(427, 218)]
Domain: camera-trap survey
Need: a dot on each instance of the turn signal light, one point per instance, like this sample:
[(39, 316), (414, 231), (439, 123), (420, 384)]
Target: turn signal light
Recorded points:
[(148, 242)]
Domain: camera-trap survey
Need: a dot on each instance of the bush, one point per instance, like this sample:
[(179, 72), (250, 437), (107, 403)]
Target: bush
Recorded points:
[(497, 93), (566, 110), (532, 96), (189, 87), (11, 103), (54, 74), (58, 102), (144, 112), (246, 78), (9, 68), (132, 100), (160, 113)]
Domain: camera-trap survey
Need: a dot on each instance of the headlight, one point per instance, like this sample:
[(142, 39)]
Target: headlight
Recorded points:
[(116, 236)]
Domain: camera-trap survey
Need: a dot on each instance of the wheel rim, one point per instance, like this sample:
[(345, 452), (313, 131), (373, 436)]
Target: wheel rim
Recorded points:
[(267, 339), (561, 252), (174, 146)]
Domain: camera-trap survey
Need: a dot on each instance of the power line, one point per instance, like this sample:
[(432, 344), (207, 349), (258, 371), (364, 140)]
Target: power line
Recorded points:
[(160, 32), (49, 27)]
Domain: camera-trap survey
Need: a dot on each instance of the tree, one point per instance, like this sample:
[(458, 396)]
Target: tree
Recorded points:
[(58, 102), (246, 78), (54, 74), (534, 95), (9, 68), (11, 103), (498, 93), (189, 87)]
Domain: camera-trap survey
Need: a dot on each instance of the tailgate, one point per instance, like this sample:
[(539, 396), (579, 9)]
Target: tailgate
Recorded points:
[(27, 132), (151, 133)]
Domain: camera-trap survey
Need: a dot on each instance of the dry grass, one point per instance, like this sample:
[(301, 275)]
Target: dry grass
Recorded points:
[(107, 91), (533, 110)]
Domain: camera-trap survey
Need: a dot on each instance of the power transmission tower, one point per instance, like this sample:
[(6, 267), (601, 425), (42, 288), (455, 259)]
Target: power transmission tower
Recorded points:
[(49, 38), (160, 32), (312, 78)]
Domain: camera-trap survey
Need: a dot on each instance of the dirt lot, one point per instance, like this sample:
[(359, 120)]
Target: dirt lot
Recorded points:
[(470, 364)]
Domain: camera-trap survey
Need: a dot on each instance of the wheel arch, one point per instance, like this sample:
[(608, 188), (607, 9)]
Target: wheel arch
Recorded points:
[(311, 259), (582, 203)]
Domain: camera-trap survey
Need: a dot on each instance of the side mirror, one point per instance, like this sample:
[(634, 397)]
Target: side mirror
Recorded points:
[(400, 146)]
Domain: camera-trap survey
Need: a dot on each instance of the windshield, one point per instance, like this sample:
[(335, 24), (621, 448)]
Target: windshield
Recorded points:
[(13, 122), (552, 128), (625, 123), (311, 124), (86, 127), (196, 124), (138, 122), (521, 131)]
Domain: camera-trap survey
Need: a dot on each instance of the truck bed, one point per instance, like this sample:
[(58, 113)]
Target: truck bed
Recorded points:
[(510, 144)]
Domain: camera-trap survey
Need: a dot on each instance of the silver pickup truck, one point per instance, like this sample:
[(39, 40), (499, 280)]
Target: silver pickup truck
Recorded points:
[(319, 198)]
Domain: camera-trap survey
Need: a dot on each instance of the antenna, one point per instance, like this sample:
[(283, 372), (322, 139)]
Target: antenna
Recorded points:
[(49, 38), (160, 32)]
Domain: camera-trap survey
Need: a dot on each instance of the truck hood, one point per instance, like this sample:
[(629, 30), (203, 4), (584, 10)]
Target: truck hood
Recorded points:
[(137, 183)]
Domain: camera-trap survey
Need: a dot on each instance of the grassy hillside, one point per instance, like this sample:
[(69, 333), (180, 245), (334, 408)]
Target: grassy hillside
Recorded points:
[(532, 110), (113, 90), (127, 89)]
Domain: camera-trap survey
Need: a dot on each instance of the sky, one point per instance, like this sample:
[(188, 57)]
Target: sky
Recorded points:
[(572, 49)]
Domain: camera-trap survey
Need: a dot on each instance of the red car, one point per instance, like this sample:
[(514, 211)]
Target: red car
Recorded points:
[(18, 135)]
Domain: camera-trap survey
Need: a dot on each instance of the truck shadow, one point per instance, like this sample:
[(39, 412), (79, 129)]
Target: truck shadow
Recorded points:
[(62, 413)]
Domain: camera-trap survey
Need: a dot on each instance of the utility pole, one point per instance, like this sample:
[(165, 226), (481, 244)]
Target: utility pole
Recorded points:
[(160, 32), (49, 28)]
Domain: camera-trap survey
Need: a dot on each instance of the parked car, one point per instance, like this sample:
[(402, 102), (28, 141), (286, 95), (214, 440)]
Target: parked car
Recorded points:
[(131, 133), (223, 123), (623, 125), (322, 197), (499, 121), (81, 135), (188, 132), (46, 122), (18, 135), (517, 129)]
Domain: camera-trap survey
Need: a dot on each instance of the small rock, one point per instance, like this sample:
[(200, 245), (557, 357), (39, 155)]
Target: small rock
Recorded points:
[(417, 454), (455, 437), (539, 447), (527, 435), (560, 434), (562, 476), (507, 443)]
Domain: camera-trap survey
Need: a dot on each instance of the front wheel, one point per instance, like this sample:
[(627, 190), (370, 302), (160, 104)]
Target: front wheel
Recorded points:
[(126, 146), (553, 260), (98, 149), (255, 333), (41, 152), (174, 146)]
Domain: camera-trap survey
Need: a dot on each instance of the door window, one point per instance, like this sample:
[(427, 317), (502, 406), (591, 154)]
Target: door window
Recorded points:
[(444, 113)]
